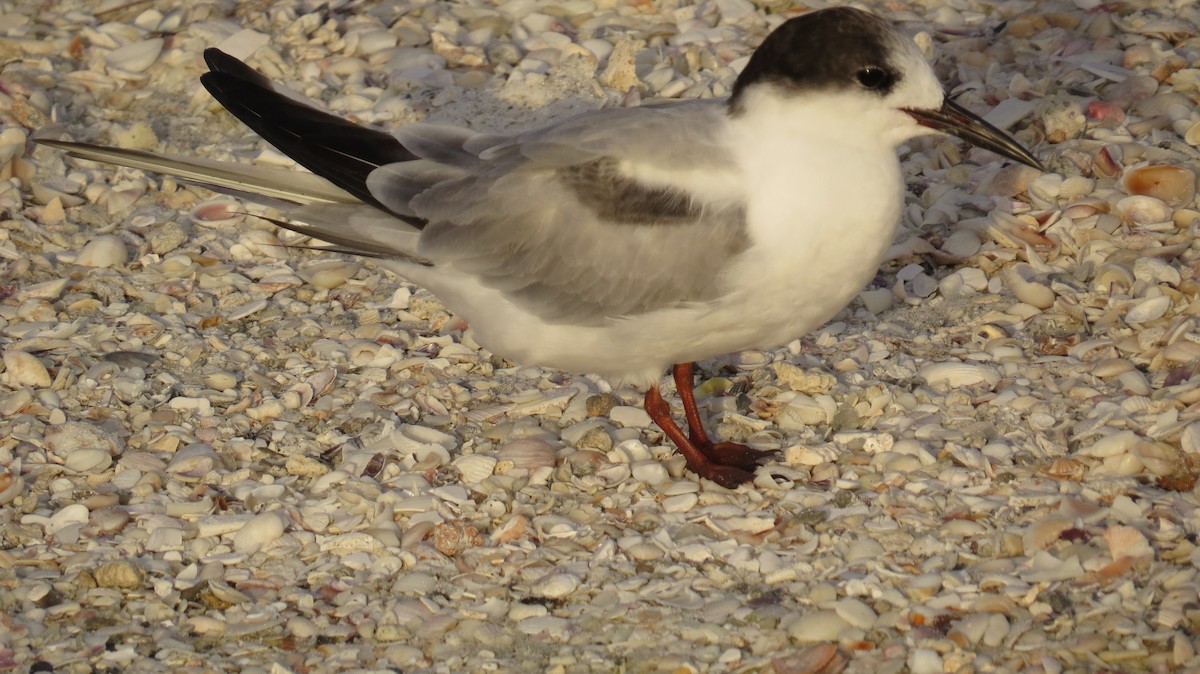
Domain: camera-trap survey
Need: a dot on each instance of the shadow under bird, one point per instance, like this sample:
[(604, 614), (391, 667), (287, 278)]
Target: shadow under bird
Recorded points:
[(623, 242)]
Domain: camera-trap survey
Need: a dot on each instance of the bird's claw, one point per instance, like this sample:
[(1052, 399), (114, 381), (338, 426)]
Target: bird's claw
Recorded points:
[(732, 454), (726, 476)]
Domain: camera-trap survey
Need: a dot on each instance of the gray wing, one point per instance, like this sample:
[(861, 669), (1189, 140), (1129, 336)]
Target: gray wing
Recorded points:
[(551, 217)]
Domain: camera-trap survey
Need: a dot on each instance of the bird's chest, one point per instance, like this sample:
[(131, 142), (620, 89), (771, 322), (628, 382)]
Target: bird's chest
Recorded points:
[(826, 224)]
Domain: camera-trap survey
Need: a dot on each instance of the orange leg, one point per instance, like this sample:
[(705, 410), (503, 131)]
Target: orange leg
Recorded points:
[(728, 464), (726, 453)]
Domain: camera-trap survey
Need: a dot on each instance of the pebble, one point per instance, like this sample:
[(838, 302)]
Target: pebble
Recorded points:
[(120, 574)]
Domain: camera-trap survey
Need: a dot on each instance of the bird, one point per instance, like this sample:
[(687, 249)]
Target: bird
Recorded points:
[(622, 242)]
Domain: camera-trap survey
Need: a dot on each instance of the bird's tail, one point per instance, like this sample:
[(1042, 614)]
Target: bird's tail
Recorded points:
[(334, 205), (342, 152)]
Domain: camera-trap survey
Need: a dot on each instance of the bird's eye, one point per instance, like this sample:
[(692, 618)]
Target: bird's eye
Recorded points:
[(873, 77)]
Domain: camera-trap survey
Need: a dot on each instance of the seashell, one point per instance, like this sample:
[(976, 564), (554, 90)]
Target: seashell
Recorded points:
[(557, 585), (411, 437), (1111, 367), (1189, 440), (108, 521), (121, 574), (1158, 459), (1181, 352), (1066, 469), (246, 309), (1075, 187), (1109, 115), (526, 454), (12, 144), (135, 57), (817, 658), (475, 468), (453, 538), (220, 380), (800, 412), (259, 531), (962, 244), (1192, 135), (1174, 185), (103, 251), (88, 460), (1148, 309), (969, 457), (1011, 180), (1124, 541), (193, 461), (954, 374), (1122, 465), (856, 612), (819, 625), (1107, 162), (1017, 231), (11, 486), (22, 368), (1021, 280), (328, 274), (515, 528), (1047, 186), (316, 385), (1111, 445), (218, 212), (1143, 210), (75, 514), (1113, 276), (803, 455), (1045, 532), (63, 439), (650, 471), (1155, 270)]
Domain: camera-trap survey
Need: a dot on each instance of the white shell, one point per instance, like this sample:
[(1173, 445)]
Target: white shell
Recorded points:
[(557, 586), (193, 461), (1111, 445), (329, 273), (1021, 279), (71, 515), (475, 468), (953, 374), (105, 250), (11, 485), (259, 531), (528, 453), (135, 57), (88, 461), (1148, 309), (1189, 439), (1143, 210), (22, 368)]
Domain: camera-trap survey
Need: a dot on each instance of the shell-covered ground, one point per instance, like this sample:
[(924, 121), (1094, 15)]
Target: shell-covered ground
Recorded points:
[(225, 454)]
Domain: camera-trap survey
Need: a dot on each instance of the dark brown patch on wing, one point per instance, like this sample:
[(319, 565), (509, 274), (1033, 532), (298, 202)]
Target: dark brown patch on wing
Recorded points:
[(617, 198)]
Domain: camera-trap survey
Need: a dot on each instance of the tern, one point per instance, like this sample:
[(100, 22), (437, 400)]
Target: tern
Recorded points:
[(623, 242)]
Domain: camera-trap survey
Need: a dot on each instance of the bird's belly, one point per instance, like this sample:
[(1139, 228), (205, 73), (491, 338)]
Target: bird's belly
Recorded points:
[(799, 271)]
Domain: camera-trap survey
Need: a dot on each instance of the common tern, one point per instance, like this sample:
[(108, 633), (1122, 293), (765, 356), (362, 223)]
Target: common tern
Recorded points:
[(623, 242)]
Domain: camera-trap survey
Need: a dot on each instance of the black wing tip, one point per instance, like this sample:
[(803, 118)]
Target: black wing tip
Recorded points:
[(221, 63)]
